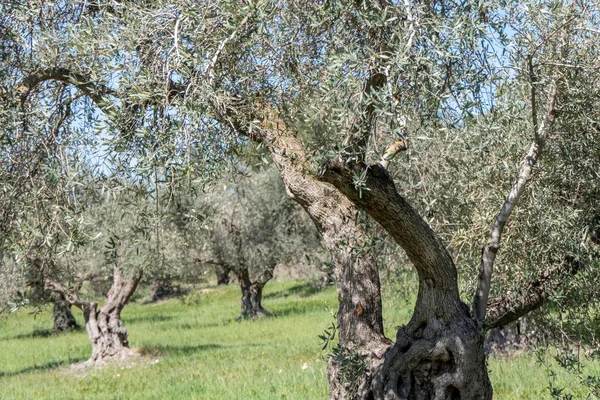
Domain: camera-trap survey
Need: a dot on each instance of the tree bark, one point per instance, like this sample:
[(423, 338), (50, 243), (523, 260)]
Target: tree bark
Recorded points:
[(104, 326), (252, 294), (64, 321), (439, 354)]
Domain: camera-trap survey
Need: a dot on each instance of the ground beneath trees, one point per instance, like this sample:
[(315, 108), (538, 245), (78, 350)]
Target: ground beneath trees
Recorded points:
[(192, 348)]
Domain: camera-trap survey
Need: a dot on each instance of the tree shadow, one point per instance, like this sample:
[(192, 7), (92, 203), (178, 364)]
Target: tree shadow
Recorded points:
[(176, 350), (40, 333), (147, 318), (155, 350), (203, 325), (298, 308), (301, 290), (48, 366)]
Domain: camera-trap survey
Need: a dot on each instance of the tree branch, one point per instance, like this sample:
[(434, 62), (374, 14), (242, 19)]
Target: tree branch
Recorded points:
[(489, 251), (511, 306), (390, 153), (377, 194), (72, 298), (96, 92)]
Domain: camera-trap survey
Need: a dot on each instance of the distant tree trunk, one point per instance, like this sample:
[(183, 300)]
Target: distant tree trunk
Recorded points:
[(104, 326), (64, 321), (162, 289), (223, 275), (252, 294)]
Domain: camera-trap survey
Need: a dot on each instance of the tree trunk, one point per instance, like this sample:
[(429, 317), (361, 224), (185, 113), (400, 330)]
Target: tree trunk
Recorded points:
[(223, 275), (439, 354), (162, 289), (106, 332), (359, 317), (104, 326), (64, 321), (252, 294)]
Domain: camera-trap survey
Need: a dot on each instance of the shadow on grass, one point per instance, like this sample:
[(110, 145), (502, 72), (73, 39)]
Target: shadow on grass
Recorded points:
[(176, 350), (203, 325), (40, 333), (44, 367), (298, 308), (186, 349), (301, 290), (147, 318)]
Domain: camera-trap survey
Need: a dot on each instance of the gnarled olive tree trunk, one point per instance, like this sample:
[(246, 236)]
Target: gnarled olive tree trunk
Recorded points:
[(439, 354), (104, 326), (252, 293), (162, 289)]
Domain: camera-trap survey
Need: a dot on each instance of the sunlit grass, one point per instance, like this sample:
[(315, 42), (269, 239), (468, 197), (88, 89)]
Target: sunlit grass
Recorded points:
[(203, 353)]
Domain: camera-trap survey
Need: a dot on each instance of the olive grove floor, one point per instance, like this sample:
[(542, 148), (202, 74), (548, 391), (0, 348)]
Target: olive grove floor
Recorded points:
[(193, 348)]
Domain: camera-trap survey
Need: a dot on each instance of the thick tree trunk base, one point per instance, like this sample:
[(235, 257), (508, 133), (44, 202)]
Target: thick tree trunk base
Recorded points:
[(122, 356), (351, 374), (162, 290), (223, 276), (253, 309), (109, 338), (437, 360), (255, 315), (104, 326)]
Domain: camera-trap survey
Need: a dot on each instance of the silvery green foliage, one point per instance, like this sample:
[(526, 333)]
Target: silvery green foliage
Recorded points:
[(458, 176)]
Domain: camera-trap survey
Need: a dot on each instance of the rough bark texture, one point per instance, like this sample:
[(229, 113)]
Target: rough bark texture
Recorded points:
[(359, 318), (252, 294), (439, 354), (104, 326), (64, 321)]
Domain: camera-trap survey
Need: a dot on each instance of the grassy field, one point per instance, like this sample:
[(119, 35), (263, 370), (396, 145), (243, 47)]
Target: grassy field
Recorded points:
[(194, 349)]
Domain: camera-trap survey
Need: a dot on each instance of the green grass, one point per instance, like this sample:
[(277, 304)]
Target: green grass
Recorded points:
[(203, 353)]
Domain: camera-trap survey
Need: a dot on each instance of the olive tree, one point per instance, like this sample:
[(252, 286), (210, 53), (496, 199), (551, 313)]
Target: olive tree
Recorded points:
[(126, 143), (253, 227), (358, 80)]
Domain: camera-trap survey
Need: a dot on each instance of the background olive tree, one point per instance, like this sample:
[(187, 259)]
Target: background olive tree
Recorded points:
[(253, 227)]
